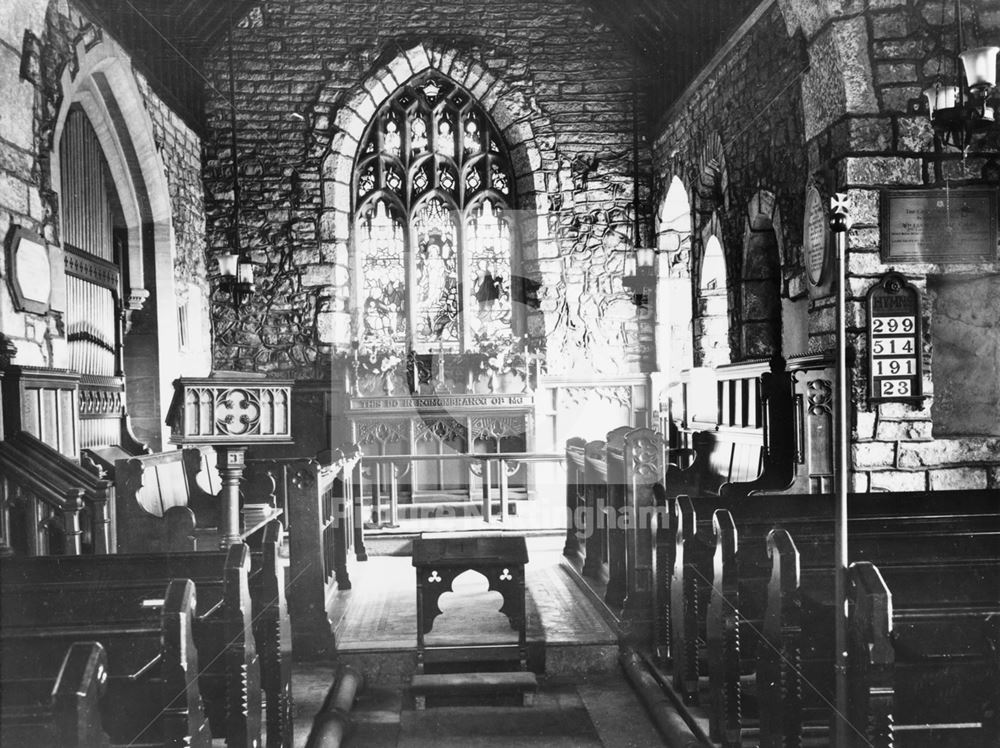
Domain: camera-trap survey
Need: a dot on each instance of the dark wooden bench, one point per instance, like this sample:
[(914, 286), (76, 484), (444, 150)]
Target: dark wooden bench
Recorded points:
[(54, 702), (705, 563), (325, 524), (229, 633), (923, 657), (720, 459), (766, 511), (738, 596), (160, 504), (612, 499), (924, 634), (577, 525), (152, 696)]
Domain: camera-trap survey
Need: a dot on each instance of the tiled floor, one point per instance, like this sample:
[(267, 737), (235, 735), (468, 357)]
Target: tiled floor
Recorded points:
[(583, 699), (379, 612)]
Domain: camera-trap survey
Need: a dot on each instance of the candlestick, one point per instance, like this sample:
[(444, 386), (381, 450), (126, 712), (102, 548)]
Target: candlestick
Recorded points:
[(355, 366)]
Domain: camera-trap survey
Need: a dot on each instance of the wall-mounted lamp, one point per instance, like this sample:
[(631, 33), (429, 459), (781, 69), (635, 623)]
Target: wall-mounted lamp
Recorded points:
[(640, 273), (235, 268), (968, 104), (235, 276)]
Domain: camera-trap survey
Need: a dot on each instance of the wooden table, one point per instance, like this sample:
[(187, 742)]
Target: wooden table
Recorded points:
[(439, 560)]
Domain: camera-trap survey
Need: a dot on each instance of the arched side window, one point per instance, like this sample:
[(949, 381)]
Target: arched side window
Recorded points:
[(674, 234), (433, 226), (713, 305)]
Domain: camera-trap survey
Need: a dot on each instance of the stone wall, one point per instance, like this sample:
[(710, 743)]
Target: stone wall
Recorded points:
[(840, 78), (309, 76), (52, 54), (22, 183)]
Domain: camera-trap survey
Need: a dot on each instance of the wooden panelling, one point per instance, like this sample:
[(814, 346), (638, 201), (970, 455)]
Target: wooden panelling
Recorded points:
[(44, 402)]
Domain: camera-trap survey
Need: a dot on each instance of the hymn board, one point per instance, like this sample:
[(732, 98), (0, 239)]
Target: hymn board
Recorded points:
[(895, 361)]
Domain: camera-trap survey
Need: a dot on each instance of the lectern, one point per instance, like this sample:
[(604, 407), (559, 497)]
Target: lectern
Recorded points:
[(230, 411)]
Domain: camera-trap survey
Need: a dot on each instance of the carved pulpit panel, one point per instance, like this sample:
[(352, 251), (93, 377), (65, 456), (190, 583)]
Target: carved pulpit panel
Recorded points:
[(230, 408)]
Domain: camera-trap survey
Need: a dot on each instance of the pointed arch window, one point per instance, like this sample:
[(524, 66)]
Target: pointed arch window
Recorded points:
[(433, 224)]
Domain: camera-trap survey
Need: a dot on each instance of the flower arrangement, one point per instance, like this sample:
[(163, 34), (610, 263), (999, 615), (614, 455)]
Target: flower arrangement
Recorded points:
[(379, 361), (498, 356)]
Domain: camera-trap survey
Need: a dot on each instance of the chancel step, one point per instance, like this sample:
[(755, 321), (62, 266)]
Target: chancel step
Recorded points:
[(474, 685)]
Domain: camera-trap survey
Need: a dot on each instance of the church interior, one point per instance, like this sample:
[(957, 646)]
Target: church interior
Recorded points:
[(568, 373)]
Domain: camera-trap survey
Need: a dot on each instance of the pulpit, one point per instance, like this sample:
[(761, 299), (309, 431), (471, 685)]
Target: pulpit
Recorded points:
[(230, 411)]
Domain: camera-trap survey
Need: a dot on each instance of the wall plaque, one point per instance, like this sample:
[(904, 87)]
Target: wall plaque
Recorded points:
[(29, 271), (895, 355), (939, 225), (816, 238)]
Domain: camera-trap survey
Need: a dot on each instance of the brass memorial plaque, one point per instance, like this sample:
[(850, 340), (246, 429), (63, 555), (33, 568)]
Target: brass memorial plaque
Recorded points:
[(939, 225)]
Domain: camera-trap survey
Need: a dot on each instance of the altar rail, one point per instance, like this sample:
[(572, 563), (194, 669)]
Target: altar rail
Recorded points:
[(493, 468)]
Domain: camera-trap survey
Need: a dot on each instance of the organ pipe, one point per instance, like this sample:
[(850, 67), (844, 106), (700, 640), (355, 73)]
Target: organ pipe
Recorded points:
[(92, 283)]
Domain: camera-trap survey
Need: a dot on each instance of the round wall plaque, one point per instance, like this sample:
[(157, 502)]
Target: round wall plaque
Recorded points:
[(815, 237)]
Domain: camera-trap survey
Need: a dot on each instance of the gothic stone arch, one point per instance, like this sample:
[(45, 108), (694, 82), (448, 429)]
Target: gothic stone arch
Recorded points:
[(100, 79)]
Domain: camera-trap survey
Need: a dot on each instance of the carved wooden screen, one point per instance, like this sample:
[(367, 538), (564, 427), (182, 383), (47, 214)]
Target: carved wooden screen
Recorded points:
[(434, 231), (92, 283)]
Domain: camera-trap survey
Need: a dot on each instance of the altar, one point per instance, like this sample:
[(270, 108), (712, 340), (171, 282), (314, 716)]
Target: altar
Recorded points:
[(447, 426)]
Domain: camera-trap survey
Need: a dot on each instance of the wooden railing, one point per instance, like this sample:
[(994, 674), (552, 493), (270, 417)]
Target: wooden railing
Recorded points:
[(493, 468), (52, 505)]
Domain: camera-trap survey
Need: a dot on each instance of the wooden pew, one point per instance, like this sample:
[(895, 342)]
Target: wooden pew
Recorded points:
[(904, 656), (577, 525), (54, 702), (764, 511), (765, 427), (705, 564), (751, 446), (160, 506), (596, 564), (612, 498), (324, 524), (152, 696), (67, 588), (934, 681), (273, 636), (616, 505), (738, 596)]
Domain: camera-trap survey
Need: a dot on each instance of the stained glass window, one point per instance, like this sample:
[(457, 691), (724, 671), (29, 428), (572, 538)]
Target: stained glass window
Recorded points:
[(383, 272), (434, 232), (488, 245)]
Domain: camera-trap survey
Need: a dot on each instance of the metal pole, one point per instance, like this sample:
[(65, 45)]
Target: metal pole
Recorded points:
[(839, 225)]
